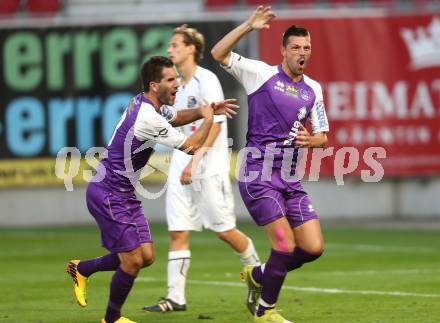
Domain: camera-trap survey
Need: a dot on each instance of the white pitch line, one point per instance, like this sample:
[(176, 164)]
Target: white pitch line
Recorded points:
[(379, 248), (303, 289), (377, 272)]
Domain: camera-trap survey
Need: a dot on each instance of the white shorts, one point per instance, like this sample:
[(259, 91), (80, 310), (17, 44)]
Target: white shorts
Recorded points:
[(206, 203)]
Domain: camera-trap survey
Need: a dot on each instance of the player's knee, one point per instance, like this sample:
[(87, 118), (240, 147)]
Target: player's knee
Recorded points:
[(225, 235), (316, 249), (137, 262), (148, 260), (132, 264), (179, 238)]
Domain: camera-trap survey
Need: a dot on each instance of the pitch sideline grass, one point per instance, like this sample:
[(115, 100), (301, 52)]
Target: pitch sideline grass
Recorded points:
[(344, 286)]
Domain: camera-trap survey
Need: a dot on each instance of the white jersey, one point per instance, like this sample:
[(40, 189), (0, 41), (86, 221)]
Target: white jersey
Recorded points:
[(204, 86)]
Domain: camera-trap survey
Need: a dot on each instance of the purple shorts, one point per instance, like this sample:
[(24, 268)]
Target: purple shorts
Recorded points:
[(120, 218), (273, 198)]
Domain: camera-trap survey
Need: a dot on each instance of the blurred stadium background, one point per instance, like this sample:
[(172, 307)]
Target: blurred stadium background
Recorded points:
[(68, 68)]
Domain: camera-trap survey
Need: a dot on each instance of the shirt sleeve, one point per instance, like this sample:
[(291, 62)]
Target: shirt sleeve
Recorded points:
[(212, 92), (318, 117), (252, 74), (169, 113), (150, 125)]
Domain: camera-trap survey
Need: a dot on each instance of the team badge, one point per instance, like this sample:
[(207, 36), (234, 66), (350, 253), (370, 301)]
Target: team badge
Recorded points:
[(192, 102), (305, 95)]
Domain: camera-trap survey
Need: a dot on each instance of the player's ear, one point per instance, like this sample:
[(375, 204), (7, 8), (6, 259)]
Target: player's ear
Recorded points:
[(192, 49), (154, 86), (283, 51)]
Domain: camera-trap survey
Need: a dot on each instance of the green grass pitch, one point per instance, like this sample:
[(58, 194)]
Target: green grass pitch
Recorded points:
[(365, 275)]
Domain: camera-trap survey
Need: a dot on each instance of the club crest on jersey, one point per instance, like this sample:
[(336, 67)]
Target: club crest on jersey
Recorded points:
[(302, 113), (305, 95), (192, 102), (279, 86)]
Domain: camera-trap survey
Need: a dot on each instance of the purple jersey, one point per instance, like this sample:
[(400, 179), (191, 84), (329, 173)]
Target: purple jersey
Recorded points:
[(277, 107), (131, 145), (110, 197)]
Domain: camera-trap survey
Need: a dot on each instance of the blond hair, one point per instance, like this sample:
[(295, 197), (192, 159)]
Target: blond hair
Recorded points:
[(192, 36)]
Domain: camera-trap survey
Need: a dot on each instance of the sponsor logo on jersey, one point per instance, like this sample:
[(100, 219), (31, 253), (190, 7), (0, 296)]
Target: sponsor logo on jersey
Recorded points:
[(292, 91), (279, 86), (321, 114), (162, 133), (292, 134), (302, 113), (192, 102)]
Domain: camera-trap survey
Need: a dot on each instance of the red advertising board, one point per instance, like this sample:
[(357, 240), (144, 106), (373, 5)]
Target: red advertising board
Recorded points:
[(381, 85)]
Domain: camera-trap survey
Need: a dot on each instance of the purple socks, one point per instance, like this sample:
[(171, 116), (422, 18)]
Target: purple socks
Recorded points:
[(119, 288), (108, 262), (273, 277), (275, 270), (300, 257)]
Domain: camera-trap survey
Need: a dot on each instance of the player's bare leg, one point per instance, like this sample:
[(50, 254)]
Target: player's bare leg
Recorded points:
[(308, 236), (242, 245), (309, 244)]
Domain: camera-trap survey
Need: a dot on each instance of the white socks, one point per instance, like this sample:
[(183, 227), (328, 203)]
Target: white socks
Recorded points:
[(249, 256), (178, 265)]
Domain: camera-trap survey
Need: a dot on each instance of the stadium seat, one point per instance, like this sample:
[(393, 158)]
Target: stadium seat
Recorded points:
[(220, 3), (9, 7), (43, 6)]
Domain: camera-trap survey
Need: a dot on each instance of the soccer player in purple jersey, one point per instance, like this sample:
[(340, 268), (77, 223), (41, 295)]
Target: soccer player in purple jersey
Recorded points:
[(280, 99), (111, 198)]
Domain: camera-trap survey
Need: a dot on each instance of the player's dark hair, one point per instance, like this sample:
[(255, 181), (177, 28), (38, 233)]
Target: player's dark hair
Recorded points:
[(151, 70), (294, 31)]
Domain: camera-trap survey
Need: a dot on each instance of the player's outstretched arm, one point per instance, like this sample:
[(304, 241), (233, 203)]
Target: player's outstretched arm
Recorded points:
[(226, 107), (196, 140), (259, 19)]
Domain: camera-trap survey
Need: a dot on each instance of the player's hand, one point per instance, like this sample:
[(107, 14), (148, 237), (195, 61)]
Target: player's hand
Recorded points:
[(206, 110), (186, 177), (261, 17), (226, 107), (303, 138)]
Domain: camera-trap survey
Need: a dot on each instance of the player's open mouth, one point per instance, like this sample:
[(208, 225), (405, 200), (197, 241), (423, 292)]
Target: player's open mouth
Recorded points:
[(301, 62)]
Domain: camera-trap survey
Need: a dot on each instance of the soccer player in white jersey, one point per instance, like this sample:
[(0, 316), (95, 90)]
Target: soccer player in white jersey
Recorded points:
[(280, 99), (199, 189)]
